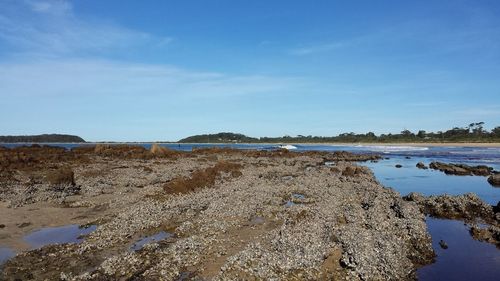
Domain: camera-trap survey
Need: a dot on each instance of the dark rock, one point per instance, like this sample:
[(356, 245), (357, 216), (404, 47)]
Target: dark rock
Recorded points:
[(24, 224), (494, 180), (490, 234), (467, 207), (443, 244), (2, 225), (421, 165), (461, 169), (399, 166), (351, 171)]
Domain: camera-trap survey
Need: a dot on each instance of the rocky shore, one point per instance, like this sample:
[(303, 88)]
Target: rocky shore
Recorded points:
[(462, 169), (225, 215)]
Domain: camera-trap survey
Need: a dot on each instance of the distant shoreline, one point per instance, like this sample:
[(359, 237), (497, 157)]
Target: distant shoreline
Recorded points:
[(415, 144), (418, 144)]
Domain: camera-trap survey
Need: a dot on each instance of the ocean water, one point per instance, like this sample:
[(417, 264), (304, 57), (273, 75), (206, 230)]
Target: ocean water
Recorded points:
[(466, 258)]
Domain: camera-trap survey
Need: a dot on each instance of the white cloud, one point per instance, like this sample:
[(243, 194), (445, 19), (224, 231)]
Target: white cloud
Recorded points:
[(50, 28)]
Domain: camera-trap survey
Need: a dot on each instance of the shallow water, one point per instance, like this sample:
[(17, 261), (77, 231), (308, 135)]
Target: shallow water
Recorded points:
[(429, 182), (295, 196), (5, 254), (57, 235), (465, 258), (150, 239)]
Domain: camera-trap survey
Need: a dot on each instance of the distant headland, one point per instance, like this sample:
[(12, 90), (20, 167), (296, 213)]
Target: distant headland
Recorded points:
[(45, 138)]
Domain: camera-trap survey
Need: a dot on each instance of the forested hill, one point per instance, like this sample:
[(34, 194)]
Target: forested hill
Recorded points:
[(219, 138), (469, 134), (41, 138)]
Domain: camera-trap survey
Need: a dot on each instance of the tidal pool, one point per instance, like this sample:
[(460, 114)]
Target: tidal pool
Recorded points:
[(150, 239), (464, 259), (5, 254), (57, 235), (430, 182)]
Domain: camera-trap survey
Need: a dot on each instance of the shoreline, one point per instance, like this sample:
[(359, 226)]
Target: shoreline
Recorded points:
[(415, 144)]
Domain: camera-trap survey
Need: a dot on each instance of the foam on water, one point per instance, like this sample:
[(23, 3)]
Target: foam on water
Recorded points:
[(390, 148)]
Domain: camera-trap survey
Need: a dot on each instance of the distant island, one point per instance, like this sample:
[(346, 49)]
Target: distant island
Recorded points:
[(46, 138), (472, 133)]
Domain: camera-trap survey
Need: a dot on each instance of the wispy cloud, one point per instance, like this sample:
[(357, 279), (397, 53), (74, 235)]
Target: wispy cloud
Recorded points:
[(72, 78), (51, 28), (488, 111), (301, 51), (56, 7), (101, 99)]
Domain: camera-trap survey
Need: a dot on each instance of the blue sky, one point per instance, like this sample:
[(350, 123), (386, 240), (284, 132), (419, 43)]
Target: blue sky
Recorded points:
[(163, 70)]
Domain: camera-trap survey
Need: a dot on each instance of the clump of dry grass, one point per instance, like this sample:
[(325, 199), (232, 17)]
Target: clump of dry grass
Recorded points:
[(203, 178)]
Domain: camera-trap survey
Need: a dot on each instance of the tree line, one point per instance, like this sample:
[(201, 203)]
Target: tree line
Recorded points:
[(474, 132)]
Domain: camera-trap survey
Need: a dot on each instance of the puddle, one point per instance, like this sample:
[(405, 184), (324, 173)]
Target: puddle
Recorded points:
[(298, 196), (5, 254), (464, 259), (295, 197), (186, 275), (150, 239), (329, 164), (257, 220), (57, 235)]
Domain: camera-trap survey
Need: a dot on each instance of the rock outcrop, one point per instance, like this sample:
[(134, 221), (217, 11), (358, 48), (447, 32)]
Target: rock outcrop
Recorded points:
[(461, 169), (421, 165), (466, 207), (494, 180)]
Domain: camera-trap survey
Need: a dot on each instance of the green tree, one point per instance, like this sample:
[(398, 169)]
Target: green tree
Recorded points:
[(421, 134)]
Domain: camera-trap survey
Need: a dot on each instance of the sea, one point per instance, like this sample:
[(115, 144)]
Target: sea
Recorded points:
[(465, 258)]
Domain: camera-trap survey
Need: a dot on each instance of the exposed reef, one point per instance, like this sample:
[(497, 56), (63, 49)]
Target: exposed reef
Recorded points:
[(230, 214), (462, 169)]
